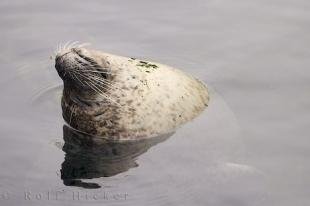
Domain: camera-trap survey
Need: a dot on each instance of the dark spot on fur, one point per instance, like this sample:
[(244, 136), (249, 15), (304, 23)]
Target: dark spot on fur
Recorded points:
[(132, 109), (114, 151), (99, 113)]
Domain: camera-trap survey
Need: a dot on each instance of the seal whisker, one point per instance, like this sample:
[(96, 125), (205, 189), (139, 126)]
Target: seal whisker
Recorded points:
[(57, 49), (109, 85), (63, 47), (87, 78), (73, 110), (105, 82), (73, 44), (92, 71), (66, 44), (77, 78), (100, 81), (112, 83), (98, 78), (99, 90), (66, 47), (101, 93), (60, 47), (83, 45), (41, 91)]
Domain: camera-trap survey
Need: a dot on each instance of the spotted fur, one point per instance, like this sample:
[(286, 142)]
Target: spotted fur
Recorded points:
[(124, 98)]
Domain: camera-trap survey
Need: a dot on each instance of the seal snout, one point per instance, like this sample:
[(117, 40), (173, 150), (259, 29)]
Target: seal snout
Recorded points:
[(78, 67), (65, 62), (60, 63), (69, 60)]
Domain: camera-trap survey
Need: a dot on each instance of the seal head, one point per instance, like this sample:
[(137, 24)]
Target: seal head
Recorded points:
[(125, 98)]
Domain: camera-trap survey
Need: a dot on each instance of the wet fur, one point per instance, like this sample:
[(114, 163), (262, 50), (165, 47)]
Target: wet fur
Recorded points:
[(124, 98)]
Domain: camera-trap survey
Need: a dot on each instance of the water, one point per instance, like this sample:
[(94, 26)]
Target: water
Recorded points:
[(250, 147)]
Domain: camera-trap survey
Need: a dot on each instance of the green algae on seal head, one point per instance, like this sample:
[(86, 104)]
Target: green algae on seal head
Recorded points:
[(121, 98)]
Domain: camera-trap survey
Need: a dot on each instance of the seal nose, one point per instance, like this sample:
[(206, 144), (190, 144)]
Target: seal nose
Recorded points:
[(59, 65)]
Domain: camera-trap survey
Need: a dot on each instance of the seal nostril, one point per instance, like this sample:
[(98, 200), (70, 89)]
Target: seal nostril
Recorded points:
[(57, 63), (59, 67), (57, 58)]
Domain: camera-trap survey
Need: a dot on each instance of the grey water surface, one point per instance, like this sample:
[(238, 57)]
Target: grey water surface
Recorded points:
[(250, 147)]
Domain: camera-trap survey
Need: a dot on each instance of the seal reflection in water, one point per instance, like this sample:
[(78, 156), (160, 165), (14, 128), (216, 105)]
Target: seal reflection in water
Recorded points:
[(123, 98), (88, 157)]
